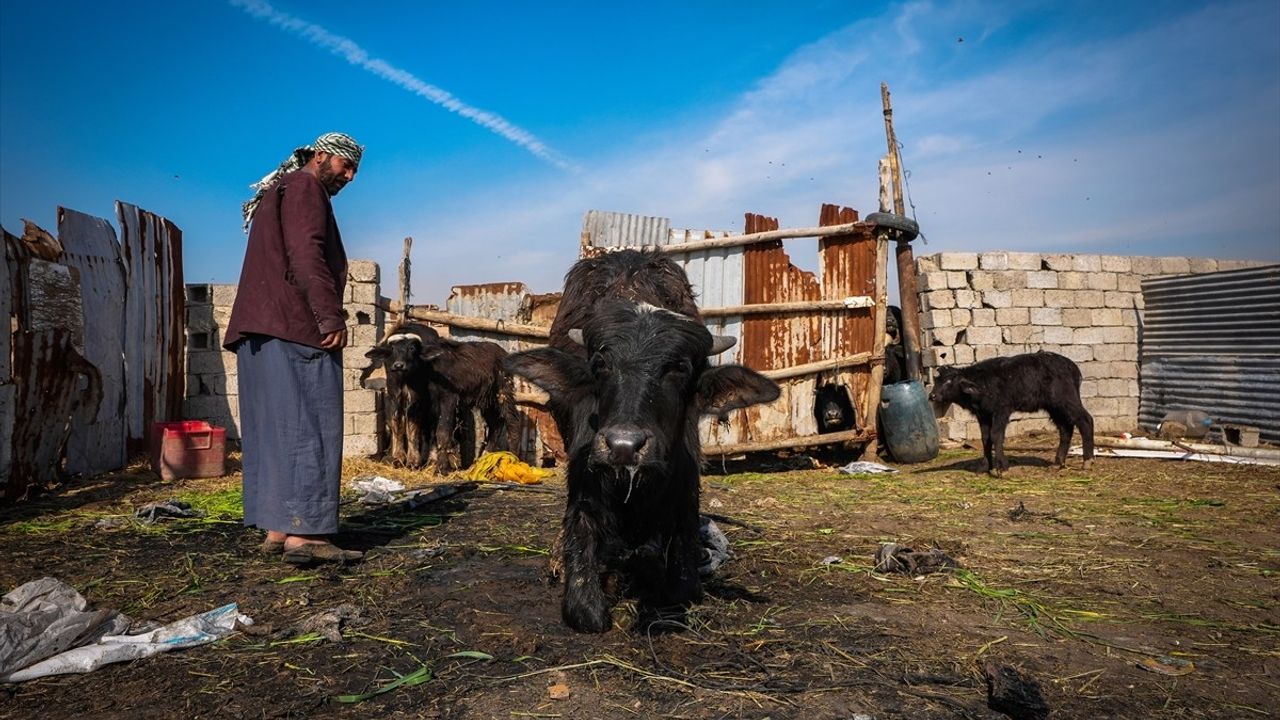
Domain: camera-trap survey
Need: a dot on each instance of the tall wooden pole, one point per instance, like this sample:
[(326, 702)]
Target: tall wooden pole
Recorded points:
[(908, 297), (404, 273)]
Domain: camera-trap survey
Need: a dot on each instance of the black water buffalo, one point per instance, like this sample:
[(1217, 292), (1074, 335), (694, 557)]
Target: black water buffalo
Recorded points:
[(627, 377), (409, 402), (832, 408), (467, 376), (895, 354), (994, 389)]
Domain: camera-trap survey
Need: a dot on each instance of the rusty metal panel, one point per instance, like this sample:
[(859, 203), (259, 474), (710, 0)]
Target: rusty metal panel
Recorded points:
[(90, 247), (8, 287), (1211, 342), (154, 320), (504, 302)]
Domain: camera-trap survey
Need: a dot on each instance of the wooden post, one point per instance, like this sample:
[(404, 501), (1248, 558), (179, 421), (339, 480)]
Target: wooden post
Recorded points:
[(908, 297), (872, 411), (405, 264)]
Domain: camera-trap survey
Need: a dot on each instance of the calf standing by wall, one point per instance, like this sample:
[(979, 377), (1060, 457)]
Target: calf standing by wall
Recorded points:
[(994, 389), (288, 332)]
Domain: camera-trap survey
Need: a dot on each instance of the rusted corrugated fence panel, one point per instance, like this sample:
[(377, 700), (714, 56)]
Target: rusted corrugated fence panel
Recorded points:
[(762, 273), (154, 320), (8, 285), (90, 247), (1211, 342)]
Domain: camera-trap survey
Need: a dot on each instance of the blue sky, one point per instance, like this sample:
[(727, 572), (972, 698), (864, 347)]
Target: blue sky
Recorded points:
[(1146, 128)]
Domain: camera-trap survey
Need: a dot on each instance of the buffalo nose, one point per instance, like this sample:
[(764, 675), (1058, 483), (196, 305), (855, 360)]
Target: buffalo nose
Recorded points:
[(624, 445), (398, 365)]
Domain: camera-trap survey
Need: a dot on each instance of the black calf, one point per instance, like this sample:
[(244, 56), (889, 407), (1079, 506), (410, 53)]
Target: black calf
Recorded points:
[(994, 389)]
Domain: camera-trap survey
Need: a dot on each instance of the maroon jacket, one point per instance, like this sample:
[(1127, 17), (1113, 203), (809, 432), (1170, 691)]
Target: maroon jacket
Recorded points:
[(295, 268)]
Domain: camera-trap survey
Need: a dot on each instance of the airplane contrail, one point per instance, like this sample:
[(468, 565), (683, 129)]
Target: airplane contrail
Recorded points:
[(356, 55)]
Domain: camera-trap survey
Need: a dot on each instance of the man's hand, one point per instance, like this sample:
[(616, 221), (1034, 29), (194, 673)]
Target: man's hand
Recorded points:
[(335, 340)]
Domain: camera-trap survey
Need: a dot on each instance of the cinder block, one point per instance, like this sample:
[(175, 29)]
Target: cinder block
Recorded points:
[(981, 280), (1046, 315), (359, 401), (1117, 263), (359, 445), (1024, 261), (1106, 316), (210, 361), (206, 406), (1108, 387), (1087, 263), (1146, 265), (1027, 298), (963, 354), (1043, 279), (1130, 317), (1088, 388), (353, 357), (1129, 283), (945, 336), (958, 261), (1009, 350), (935, 356), (1078, 353), (939, 300), (1118, 300), (1023, 335), (1060, 298), (1087, 336), (985, 352), (1089, 298), (984, 336), (957, 279), (1059, 262), (1059, 335), (1071, 280), (362, 336), (997, 298), (961, 317), (1009, 279), (1012, 316), (927, 264), (931, 281), (1077, 317), (967, 299), (1109, 353), (363, 423), (1101, 281), (935, 318), (199, 294), (1175, 266), (1203, 265), (363, 271), (1089, 369), (223, 295), (983, 317), (364, 294), (1127, 370), (1104, 407), (993, 261), (1119, 334)]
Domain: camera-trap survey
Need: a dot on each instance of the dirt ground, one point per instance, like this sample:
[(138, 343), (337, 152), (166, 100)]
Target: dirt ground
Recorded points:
[(1097, 583)]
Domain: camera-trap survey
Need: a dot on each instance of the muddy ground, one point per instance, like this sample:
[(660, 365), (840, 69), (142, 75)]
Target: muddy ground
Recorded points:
[(1096, 583)]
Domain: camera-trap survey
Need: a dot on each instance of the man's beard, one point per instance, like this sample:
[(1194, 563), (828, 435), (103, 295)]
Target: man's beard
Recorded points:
[(332, 181)]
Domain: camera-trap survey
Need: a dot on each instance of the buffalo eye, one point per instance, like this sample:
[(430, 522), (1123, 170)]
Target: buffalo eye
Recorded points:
[(678, 370)]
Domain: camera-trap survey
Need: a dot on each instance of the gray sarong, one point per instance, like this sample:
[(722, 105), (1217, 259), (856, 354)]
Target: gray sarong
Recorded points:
[(291, 435)]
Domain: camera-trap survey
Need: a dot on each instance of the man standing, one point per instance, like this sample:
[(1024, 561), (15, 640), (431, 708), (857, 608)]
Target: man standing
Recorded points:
[(287, 331)]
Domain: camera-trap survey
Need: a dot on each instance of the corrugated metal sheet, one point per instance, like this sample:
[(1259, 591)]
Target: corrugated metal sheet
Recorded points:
[(763, 273), (90, 246), (1211, 342)]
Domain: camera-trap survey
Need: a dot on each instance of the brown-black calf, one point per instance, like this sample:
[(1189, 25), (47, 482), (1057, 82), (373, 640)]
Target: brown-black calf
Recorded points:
[(627, 377), (994, 389), (409, 402), (468, 376)]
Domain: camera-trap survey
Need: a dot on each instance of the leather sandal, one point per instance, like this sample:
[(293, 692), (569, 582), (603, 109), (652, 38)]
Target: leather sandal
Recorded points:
[(308, 553), (271, 547)]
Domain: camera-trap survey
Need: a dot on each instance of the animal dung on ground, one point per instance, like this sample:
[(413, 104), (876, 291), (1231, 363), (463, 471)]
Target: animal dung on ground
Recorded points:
[(892, 557), (1014, 693)]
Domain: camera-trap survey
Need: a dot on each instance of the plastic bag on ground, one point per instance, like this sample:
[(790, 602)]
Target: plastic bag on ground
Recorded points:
[(506, 467)]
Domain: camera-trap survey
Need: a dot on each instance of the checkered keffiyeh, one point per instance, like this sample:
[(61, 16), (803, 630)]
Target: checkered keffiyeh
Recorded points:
[(333, 143)]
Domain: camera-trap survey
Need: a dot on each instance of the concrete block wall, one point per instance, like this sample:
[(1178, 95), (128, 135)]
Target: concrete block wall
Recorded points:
[(976, 306), (212, 386)]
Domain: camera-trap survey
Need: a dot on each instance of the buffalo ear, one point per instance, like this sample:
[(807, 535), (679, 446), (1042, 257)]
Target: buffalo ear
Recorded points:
[(575, 334), (969, 387), (559, 373), (378, 352), (729, 387), (430, 352)]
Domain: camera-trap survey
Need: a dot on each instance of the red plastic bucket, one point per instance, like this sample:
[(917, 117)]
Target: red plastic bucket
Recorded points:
[(188, 449)]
